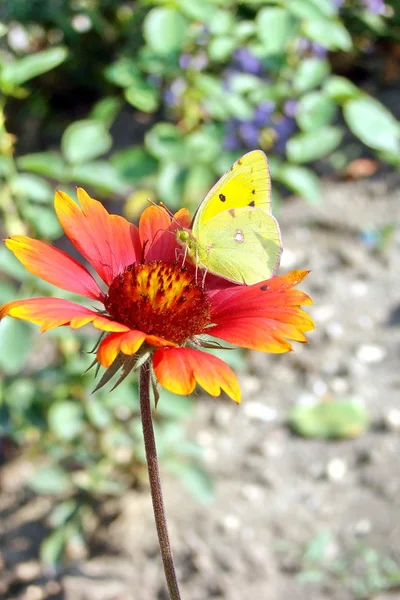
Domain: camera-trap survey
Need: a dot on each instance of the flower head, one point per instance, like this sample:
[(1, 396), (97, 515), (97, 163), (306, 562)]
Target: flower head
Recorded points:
[(153, 307)]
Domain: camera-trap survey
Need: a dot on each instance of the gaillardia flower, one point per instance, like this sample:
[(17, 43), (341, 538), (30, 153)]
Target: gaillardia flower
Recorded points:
[(154, 307)]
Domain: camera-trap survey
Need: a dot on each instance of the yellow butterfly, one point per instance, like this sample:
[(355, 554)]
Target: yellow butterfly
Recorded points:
[(233, 233)]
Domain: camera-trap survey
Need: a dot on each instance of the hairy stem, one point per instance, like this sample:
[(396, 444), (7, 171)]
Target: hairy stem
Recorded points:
[(155, 483)]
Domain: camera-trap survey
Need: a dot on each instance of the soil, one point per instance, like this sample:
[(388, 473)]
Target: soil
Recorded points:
[(292, 518)]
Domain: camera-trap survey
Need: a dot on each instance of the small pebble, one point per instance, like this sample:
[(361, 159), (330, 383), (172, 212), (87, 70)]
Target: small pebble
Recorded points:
[(323, 313), (260, 412), (339, 385), (362, 527), (33, 592), (392, 419), (26, 571), (230, 522), (319, 387), (370, 354), (335, 330), (358, 288), (289, 259), (336, 469)]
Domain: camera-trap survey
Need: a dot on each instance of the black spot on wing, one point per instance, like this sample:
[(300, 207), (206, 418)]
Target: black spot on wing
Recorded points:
[(252, 203), (264, 288), (222, 197)]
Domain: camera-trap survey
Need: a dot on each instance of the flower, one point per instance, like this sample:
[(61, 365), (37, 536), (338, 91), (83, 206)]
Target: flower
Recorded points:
[(153, 307), (374, 6)]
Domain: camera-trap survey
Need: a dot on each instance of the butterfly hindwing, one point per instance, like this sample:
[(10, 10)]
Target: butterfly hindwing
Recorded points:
[(242, 245)]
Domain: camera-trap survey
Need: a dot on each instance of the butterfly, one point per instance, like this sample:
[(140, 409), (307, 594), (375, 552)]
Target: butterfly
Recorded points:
[(233, 233)]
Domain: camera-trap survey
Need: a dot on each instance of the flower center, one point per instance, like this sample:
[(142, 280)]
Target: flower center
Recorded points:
[(161, 299)]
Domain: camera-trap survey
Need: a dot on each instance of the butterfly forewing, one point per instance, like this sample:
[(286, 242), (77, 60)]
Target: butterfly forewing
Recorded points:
[(246, 184)]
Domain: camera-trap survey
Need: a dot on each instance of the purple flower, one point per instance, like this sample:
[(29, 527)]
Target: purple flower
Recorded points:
[(317, 50), (184, 60), (231, 140), (263, 112), (374, 6), (247, 62), (250, 134), (306, 46), (290, 107), (284, 129)]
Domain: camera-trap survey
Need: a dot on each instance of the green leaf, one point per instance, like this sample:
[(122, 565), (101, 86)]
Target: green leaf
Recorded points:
[(314, 110), (7, 291), (275, 27), (106, 110), (170, 184), (221, 48), (304, 9), (203, 145), (100, 174), (372, 123), (165, 141), (242, 83), (331, 34), (222, 23), (50, 480), (340, 89), (317, 548), (16, 337), (244, 30), (32, 187), (340, 419), (66, 419), (43, 163), (9, 265), (124, 72), (198, 11), (165, 30), (310, 73), (85, 140), (195, 479), (19, 71), (98, 413), (44, 220), (142, 95), (237, 106), (199, 180), (134, 163), (302, 181), (311, 145)]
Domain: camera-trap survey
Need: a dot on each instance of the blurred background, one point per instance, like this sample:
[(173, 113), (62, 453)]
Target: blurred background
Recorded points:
[(296, 493)]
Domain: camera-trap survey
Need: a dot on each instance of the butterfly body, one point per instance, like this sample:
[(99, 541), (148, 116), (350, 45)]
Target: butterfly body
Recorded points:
[(233, 234)]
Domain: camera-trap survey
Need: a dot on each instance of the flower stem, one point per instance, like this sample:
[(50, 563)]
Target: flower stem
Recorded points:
[(155, 483)]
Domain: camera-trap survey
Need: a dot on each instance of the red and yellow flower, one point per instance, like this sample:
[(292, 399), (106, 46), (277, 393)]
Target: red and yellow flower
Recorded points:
[(154, 308)]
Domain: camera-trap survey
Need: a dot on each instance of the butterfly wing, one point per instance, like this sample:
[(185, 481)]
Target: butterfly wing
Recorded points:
[(247, 183), (242, 245)]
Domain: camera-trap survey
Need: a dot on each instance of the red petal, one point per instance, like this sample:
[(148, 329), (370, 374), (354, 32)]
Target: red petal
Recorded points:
[(262, 315), (54, 266), (107, 241), (157, 231), (128, 343), (178, 370), (55, 312)]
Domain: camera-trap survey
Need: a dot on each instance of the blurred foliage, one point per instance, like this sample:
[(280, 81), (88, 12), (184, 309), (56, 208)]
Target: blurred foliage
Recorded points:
[(360, 569), (156, 99), (329, 419)]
